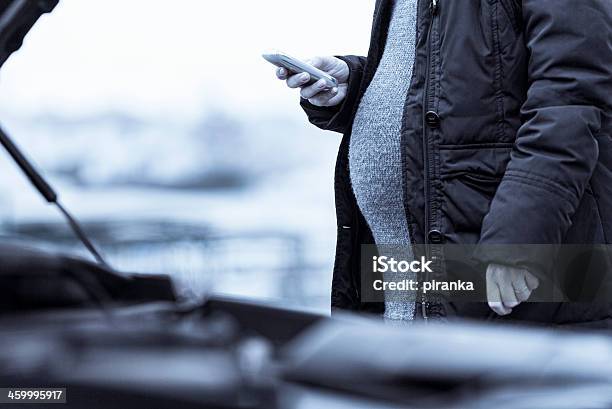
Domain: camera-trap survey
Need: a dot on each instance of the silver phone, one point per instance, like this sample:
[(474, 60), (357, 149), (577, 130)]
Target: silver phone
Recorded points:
[(296, 66)]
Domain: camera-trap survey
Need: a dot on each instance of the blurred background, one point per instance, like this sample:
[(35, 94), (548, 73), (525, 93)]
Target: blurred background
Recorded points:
[(169, 136)]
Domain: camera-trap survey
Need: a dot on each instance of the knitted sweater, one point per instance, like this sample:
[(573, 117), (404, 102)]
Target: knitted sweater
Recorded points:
[(375, 154)]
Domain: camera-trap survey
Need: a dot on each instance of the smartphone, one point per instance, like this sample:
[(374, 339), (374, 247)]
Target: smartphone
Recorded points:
[(296, 66)]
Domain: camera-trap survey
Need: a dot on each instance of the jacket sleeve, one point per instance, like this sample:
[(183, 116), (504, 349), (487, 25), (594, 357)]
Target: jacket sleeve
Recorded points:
[(338, 118), (556, 149)]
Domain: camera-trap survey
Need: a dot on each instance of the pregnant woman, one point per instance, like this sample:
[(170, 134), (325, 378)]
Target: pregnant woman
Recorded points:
[(485, 122)]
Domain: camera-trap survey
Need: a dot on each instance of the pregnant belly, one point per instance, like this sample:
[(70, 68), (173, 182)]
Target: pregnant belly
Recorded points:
[(376, 176)]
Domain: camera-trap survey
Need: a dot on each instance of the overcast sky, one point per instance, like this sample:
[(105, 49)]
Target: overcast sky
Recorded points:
[(178, 58)]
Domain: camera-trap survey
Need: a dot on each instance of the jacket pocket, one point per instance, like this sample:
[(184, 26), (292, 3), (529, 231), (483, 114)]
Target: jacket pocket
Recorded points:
[(483, 184), (470, 176), (466, 198)]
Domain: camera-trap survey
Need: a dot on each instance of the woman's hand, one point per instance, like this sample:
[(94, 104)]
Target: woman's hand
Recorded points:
[(507, 287), (316, 93)]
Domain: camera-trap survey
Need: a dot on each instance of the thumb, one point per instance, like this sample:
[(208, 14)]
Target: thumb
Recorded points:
[(322, 63)]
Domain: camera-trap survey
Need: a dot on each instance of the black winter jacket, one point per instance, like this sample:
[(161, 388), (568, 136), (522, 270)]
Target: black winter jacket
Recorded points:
[(507, 138)]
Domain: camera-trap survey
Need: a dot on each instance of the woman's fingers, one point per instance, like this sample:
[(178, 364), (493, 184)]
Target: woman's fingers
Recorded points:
[(333, 66), (319, 93), (521, 289), (314, 89), (531, 280), (281, 73), (298, 80), (506, 288), (495, 303), (494, 296), (322, 98)]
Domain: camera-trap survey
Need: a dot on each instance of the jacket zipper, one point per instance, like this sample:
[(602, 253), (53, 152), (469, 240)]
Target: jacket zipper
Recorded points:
[(434, 9)]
